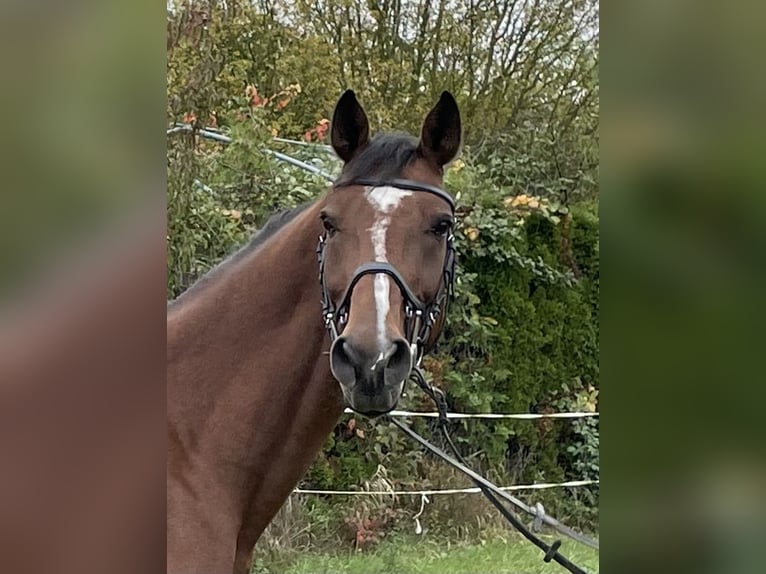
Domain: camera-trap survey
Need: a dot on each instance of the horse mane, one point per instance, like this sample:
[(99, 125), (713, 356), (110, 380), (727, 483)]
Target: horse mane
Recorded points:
[(385, 157), (272, 226), (276, 222)]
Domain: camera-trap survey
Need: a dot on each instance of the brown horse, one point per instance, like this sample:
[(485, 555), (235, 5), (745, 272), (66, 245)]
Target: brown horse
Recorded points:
[(251, 396)]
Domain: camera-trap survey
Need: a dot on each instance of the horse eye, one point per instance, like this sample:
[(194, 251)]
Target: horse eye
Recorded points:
[(442, 228), (329, 226)]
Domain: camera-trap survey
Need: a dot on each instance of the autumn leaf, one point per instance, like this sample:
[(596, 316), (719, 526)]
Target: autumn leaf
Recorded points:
[(252, 93)]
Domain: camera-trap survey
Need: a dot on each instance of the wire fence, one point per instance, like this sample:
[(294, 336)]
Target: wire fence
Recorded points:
[(467, 490), (520, 416), (439, 491)]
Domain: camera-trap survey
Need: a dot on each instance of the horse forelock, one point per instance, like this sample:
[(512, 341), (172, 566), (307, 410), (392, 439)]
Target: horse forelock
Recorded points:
[(385, 157)]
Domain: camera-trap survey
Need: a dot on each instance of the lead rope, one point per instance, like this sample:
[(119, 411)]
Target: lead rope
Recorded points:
[(489, 489)]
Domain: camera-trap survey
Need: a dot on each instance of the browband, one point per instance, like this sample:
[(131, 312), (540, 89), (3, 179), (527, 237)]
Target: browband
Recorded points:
[(402, 184)]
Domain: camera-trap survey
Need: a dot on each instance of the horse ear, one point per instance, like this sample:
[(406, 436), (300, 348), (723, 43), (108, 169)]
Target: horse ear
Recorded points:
[(350, 129), (440, 137)]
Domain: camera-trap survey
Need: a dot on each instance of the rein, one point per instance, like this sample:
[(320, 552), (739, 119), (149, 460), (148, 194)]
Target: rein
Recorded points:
[(488, 489), (420, 317)]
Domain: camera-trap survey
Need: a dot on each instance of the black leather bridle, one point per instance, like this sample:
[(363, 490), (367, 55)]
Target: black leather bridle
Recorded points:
[(420, 316)]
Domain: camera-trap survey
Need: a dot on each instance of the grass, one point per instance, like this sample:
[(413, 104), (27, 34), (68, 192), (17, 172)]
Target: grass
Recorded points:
[(410, 555)]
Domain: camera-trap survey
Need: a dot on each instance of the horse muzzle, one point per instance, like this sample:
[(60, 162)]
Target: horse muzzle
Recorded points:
[(371, 380)]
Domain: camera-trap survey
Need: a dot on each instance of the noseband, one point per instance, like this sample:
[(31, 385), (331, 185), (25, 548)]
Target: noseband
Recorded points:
[(420, 316)]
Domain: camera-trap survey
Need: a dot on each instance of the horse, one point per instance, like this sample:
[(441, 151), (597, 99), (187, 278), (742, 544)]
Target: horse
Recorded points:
[(331, 304)]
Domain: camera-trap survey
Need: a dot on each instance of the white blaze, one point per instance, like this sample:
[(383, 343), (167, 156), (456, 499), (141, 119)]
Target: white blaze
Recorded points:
[(385, 200)]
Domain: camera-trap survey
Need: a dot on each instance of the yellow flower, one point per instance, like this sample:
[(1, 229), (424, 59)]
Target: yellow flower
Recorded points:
[(519, 200), (472, 233), (457, 165)]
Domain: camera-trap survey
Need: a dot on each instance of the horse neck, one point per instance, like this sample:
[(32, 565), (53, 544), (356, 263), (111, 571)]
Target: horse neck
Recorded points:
[(247, 373)]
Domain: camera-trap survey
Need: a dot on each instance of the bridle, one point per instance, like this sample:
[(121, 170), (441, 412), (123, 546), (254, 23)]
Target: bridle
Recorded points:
[(420, 316)]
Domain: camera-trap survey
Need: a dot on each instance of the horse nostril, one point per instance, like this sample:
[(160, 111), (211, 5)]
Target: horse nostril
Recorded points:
[(343, 359), (400, 361), (401, 352), (344, 351), (347, 350)]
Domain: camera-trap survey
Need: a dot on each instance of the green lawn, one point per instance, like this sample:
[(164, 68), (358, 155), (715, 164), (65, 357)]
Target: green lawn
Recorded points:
[(413, 555)]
